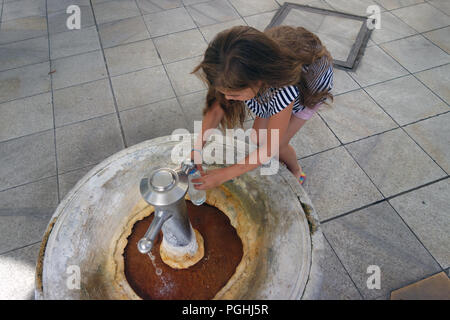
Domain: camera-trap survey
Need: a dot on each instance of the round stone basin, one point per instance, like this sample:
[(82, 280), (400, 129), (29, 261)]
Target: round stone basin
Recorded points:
[(88, 233)]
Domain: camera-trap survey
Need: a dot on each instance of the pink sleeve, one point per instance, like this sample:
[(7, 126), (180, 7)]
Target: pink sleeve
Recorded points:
[(307, 113)]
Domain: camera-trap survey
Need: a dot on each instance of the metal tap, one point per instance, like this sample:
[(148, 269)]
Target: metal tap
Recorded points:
[(165, 190)]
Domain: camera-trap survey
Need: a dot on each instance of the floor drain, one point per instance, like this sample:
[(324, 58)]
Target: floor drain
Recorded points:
[(345, 35)]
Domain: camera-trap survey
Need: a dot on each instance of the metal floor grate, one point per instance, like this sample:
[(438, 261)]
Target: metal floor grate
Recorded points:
[(345, 35)]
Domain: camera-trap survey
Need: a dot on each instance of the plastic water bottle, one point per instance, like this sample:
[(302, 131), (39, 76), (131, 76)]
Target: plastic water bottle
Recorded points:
[(198, 197)]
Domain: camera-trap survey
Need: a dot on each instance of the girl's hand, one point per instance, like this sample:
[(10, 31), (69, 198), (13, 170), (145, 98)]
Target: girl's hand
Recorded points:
[(211, 179)]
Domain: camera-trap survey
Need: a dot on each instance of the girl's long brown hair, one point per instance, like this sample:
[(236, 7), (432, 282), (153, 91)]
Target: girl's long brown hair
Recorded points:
[(241, 57)]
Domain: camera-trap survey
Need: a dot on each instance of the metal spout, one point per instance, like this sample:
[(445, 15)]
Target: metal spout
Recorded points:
[(165, 189), (146, 243)]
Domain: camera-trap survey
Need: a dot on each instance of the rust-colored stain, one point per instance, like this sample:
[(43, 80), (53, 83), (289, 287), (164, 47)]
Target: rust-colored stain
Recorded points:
[(223, 253), (40, 260)]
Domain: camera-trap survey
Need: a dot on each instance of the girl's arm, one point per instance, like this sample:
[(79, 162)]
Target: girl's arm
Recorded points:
[(277, 123), (263, 154)]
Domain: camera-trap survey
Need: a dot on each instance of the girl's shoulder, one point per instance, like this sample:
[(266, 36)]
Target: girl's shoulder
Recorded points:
[(273, 100), (287, 93)]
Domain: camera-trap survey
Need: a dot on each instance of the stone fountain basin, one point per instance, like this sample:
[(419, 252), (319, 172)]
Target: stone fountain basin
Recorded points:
[(279, 229)]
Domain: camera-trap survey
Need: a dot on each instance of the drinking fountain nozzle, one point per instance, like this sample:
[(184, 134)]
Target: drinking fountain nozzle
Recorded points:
[(165, 190)]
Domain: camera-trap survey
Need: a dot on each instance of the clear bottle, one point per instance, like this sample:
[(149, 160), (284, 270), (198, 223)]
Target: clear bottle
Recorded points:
[(198, 197)]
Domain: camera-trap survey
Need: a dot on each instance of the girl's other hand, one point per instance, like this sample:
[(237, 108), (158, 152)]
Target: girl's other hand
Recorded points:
[(197, 158), (211, 179)]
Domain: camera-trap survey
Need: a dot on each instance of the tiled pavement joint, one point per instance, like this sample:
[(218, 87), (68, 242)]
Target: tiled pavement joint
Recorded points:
[(165, 70), (402, 127), (383, 200), (364, 138), (19, 248), (109, 79), (414, 233), (343, 266), (437, 8), (47, 177), (53, 105)]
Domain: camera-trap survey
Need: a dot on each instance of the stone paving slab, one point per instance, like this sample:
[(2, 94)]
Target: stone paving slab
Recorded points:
[(260, 21), (152, 121), (394, 162), (395, 4), (169, 21), (336, 184), (73, 70), (212, 12), (115, 10), (22, 8), (74, 42), (131, 57), (210, 31), (182, 45), (142, 87), (416, 53), (443, 5), (342, 82), (26, 116), (123, 31), (407, 100), (422, 17), (355, 115), (81, 144), (60, 5), (25, 212), (314, 137), (25, 52), (426, 211), (336, 283), (357, 7), (249, 7), (433, 135), (22, 29), (378, 236), (183, 82), (437, 79), (82, 102), (440, 38), (27, 159), (192, 105), (377, 66), (150, 6), (17, 270)]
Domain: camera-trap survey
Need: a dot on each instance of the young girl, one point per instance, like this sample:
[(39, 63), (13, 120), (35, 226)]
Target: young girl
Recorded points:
[(283, 75)]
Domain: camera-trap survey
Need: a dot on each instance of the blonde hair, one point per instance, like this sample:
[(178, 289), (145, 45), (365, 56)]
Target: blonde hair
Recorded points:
[(241, 57)]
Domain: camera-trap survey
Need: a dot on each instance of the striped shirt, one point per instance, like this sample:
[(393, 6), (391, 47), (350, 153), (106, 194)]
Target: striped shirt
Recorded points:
[(318, 77)]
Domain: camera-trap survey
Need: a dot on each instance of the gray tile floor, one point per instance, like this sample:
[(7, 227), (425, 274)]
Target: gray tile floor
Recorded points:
[(377, 162)]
